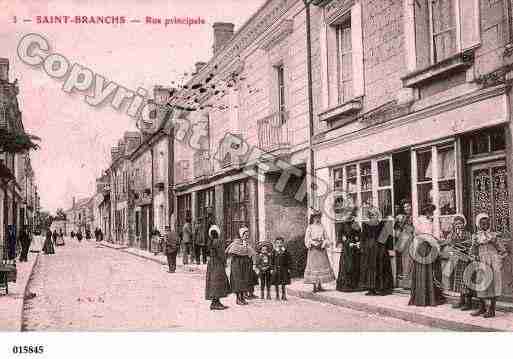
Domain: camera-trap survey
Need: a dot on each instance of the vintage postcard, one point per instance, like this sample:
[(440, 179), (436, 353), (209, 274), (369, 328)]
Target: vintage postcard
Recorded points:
[(257, 165)]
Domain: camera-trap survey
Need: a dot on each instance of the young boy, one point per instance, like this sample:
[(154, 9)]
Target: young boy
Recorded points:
[(264, 262), (282, 262)]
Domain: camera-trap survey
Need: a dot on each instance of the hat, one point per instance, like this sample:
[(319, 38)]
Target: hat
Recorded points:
[(428, 208), (243, 230), (405, 201), (214, 228), (460, 217), (267, 244), (479, 217)]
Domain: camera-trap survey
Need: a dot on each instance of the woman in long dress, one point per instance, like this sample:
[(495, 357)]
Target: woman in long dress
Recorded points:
[(348, 279), (240, 267), (376, 243), (48, 244), (491, 252), (318, 268), (217, 285), (426, 271), (459, 245)]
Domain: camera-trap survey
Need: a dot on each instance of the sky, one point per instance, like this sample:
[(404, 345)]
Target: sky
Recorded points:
[(76, 137)]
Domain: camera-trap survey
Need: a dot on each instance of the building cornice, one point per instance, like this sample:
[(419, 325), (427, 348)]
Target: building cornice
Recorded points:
[(448, 105)]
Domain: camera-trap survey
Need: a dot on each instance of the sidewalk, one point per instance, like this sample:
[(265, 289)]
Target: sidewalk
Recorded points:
[(159, 258), (396, 306), (11, 305)]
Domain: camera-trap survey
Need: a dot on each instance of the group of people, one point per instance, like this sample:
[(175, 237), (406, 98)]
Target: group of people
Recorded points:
[(52, 239), (365, 263), (270, 265)]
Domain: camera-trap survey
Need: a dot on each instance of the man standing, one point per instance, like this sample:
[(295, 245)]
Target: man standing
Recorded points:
[(187, 239), (171, 248)]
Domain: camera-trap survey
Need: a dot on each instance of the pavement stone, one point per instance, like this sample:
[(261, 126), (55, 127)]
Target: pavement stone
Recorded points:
[(88, 287), (396, 306), (11, 305)]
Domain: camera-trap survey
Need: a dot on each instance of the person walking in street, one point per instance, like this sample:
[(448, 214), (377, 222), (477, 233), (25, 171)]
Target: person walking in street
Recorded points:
[(282, 264), (348, 279), (55, 235), (79, 236), (72, 234), (61, 237), (426, 271), (187, 239), (376, 244), (240, 268), (491, 252), (264, 264), (318, 268), (48, 247), (170, 248), (460, 243), (216, 285), (25, 241)]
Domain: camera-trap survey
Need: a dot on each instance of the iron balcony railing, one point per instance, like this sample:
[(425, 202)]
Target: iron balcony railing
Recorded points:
[(274, 132)]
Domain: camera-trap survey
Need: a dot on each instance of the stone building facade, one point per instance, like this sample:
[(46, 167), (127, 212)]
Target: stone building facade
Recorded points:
[(254, 105), (416, 99), (18, 191)]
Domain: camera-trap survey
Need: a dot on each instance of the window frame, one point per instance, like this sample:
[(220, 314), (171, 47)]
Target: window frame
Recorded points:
[(339, 27)]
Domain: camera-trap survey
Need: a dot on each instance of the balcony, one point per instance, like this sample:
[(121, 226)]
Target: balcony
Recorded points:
[(202, 165), (273, 133)]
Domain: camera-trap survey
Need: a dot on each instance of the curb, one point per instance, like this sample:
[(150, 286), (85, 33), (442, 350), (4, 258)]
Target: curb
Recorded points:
[(25, 290), (393, 313)]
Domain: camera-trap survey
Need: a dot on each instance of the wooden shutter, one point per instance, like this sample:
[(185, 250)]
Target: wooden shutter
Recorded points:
[(469, 23), (357, 48)]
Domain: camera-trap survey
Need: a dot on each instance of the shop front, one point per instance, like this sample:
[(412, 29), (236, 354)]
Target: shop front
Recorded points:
[(455, 158)]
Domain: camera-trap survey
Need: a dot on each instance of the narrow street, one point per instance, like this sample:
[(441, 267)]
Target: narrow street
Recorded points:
[(90, 287)]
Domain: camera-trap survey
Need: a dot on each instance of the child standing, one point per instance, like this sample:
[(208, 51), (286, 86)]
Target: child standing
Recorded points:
[(264, 264), (491, 252), (282, 262)]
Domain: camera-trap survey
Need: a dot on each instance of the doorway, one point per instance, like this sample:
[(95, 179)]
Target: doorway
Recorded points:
[(402, 192)]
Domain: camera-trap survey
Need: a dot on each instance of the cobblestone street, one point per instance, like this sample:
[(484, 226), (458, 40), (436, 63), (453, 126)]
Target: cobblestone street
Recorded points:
[(89, 287)]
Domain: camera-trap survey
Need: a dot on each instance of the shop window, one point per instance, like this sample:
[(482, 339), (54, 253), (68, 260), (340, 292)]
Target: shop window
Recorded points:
[(364, 184), (491, 140), (436, 184), (236, 205)]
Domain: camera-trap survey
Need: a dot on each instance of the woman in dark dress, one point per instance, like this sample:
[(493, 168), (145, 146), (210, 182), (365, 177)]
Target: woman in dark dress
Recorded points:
[(217, 285), (48, 244), (426, 270), (376, 242), (348, 279)]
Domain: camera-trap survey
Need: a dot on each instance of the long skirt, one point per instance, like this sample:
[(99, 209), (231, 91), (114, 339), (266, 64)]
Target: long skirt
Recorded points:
[(379, 269), (240, 274), (217, 285), (318, 267), (348, 279), (489, 282), (48, 247)]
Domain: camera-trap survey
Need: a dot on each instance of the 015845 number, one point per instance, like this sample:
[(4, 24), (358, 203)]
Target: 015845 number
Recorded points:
[(28, 349)]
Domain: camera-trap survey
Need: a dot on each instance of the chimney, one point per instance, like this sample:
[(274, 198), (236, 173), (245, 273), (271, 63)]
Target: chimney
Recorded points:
[(223, 32), (199, 65), (4, 69)]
